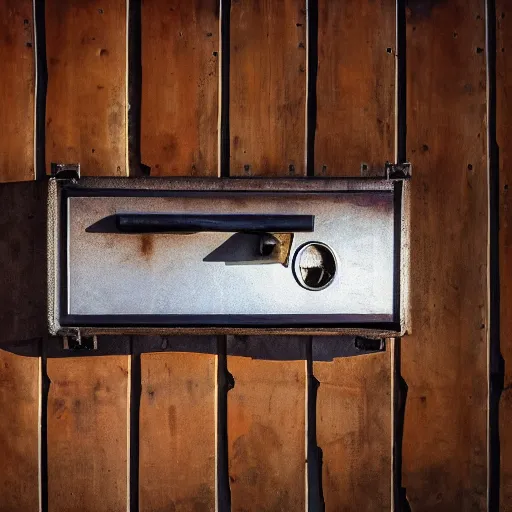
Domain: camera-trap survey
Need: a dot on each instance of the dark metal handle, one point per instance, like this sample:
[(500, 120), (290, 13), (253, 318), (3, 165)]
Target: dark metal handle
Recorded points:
[(193, 223)]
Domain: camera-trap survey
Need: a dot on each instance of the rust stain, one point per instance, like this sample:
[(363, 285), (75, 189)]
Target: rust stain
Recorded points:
[(146, 246)]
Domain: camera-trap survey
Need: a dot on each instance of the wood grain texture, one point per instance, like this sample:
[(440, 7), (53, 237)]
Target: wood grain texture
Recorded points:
[(87, 433), (17, 90), (354, 430), (504, 126), (355, 86), (444, 361), (266, 407), (355, 125), (19, 432), (177, 431), (86, 99), (267, 87), (180, 87), (266, 423), (354, 427)]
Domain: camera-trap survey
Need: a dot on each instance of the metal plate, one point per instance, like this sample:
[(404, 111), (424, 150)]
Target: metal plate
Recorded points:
[(110, 279)]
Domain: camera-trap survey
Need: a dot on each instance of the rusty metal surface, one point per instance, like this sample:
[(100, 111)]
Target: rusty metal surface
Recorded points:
[(112, 273)]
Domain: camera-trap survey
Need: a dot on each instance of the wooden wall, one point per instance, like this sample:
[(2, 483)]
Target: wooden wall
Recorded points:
[(270, 88)]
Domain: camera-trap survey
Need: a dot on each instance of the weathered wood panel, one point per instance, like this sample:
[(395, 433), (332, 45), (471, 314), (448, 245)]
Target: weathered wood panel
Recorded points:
[(355, 86), (268, 87), (179, 136), (354, 428), (355, 126), (22, 317), (266, 422), (504, 127), (86, 122), (19, 431), (177, 426), (87, 87), (17, 90), (180, 77), (444, 361), (266, 407), (88, 403)]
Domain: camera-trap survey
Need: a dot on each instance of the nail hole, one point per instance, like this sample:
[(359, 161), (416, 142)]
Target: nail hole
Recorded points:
[(470, 167), (479, 50), (388, 50)]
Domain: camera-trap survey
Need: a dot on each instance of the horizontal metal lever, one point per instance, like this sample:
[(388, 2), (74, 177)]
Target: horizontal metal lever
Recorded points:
[(194, 223)]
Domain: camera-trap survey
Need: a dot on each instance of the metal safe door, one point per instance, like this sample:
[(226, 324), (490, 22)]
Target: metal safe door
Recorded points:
[(149, 275)]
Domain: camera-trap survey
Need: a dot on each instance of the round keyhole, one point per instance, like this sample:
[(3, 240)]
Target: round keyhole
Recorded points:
[(314, 266)]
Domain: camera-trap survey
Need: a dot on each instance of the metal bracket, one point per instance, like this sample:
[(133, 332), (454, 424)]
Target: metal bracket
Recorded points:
[(389, 171), (398, 171), (370, 344), (75, 341), (65, 172)]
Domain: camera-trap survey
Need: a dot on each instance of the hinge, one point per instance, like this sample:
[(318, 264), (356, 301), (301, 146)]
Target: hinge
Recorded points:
[(398, 171), (389, 171), (75, 341), (65, 172)]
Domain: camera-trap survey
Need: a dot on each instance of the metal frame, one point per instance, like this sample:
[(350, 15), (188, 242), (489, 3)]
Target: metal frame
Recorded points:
[(61, 323)]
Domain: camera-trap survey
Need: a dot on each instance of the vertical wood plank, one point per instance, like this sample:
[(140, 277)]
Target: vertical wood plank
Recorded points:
[(180, 70), (19, 431), (88, 399), (355, 125), (503, 127), (177, 426), (444, 361), (22, 317), (354, 429), (266, 407), (87, 86), (355, 86), (266, 422), (88, 403), (179, 136), (268, 87), (17, 90)]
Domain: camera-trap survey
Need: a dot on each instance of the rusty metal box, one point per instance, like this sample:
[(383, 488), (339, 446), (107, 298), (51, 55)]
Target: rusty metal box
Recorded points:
[(228, 256)]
